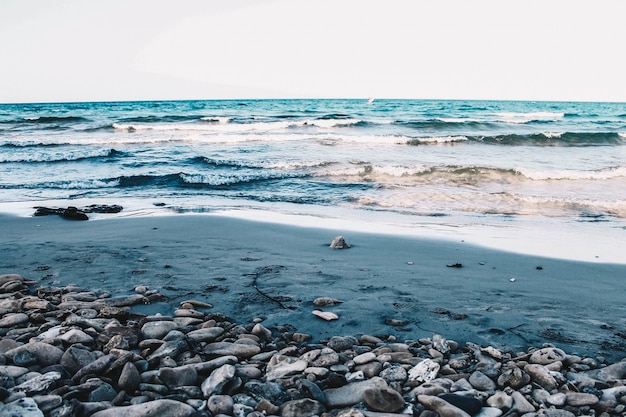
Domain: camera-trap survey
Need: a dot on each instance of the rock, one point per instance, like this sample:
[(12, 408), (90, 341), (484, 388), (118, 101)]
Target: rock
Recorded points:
[(394, 373), (466, 403), (540, 375), (383, 399), (104, 392), (74, 336), (339, 243), (129, 378), (481, 381), (547, 355), (46, 354), (500, 400), (301, 408), (242, 351), (489, 412), (612, 372), (37, 384), (24, 407), (425, 371), (269, 391), (161, 408), (218, 379), (157, 329), (178, 376), (325, 315), (341, 343), (280, 366), (208, 334), (326, 301), (47, 403), (579, 399), (220, 404), (441, 406), (325, 357), (364, 358), (313, 391), (514, 378), (557, 400), (352, 393), (75, 358), (521, 404), (13, 319)]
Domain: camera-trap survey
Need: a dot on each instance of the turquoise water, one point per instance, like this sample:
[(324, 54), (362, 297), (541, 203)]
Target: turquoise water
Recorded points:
[(482, 161)]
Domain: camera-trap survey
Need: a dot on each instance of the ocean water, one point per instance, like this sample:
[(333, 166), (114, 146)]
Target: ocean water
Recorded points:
[(406, 162)]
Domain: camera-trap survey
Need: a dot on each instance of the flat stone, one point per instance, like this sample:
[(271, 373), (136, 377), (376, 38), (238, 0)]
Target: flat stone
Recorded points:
[(157, 329), (240, 350), (384, 399), (13, 319), (500, 400), (364, 358), (74, 336), (580, 399), (489, 412), (325, 357), (161, 408), (352, 393), (520, 404), (441, 406), (37, 384), (541, 375), (466, 403), (46, 354), (557, 400)]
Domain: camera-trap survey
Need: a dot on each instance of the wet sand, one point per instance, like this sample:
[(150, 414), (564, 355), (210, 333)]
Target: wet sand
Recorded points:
[(389, 285)]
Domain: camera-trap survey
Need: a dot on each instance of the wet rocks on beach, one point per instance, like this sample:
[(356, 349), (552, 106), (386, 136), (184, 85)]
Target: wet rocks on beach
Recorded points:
[(72, 352)]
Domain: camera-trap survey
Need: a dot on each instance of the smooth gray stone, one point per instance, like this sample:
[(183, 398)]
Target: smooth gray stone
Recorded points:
[(24, 407), (129, 378), (218, 379), (386, 400), (352, 393), (304, 407), (179, 376), (45, 353), (220, 404), (161, 408)]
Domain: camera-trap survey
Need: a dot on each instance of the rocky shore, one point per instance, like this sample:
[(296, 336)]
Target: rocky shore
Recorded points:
[(69, 351)]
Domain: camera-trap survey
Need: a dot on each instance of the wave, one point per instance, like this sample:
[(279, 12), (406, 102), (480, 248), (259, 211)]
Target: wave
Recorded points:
[(555, 139), (461, 174), (524, 118), (45, 120), (60, 157)]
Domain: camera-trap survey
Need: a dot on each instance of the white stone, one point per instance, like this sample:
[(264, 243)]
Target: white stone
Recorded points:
[(425, 371)]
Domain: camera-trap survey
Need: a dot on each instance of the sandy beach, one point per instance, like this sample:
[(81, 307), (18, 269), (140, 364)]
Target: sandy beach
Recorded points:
[(388, 285)]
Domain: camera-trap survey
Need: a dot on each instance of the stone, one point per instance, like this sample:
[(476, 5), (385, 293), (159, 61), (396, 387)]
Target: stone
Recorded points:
[(547, 355), (75, 358), (557, 400), (425, 371), (215, 383), (129, 378), (325, 357), (301, 408), (37, 384), (269, 391), (339, 243), (45, 353), (441, 406), (352, 393), (49, 402), (161, 408), (394, 373), (24, 358), (240, 350), (207, 334), (435, 387), (514, 378), (157, 329), (383, 399), (220, 404), (313, 390), (104, 392), (580, 399), (325, 315), (466, 403), (612, 372), (489, 412), (500, 400), (23, 407), (520, 404), (178, 376), (540, 375), (341, 343), (481, 381), (74, 336), (280, 366), (13, 319), (326, 301), (364, 358), (168, 349)]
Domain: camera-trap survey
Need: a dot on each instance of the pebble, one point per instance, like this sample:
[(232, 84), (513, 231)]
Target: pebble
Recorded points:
[(70, 351)]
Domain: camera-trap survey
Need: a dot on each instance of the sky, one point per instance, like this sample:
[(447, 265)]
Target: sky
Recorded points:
[(110, 50)]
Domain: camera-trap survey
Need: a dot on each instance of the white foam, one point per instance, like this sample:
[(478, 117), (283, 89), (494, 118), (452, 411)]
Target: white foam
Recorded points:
[(522, 118), (563, 174)]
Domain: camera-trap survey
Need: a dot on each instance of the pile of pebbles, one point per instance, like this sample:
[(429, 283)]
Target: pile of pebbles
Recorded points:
[(72, 352)]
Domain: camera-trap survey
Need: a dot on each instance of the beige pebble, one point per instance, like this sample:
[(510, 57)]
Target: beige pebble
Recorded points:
[(326, 315)]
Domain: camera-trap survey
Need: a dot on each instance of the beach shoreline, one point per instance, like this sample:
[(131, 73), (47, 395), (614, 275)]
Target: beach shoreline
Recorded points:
[(388, 284)]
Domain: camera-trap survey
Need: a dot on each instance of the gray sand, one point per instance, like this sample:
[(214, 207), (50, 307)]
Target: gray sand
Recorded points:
[(389, 285)]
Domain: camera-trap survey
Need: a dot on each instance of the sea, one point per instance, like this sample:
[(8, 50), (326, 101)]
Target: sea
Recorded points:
[(540, 177)]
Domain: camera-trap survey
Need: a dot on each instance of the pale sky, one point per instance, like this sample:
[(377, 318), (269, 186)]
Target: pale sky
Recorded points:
[(101, 50)]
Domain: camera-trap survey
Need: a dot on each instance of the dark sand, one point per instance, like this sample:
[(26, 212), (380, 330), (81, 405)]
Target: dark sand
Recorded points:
[(579, 307)]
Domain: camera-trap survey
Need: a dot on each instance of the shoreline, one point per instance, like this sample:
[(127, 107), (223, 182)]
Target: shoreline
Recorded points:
[(389, 284)]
